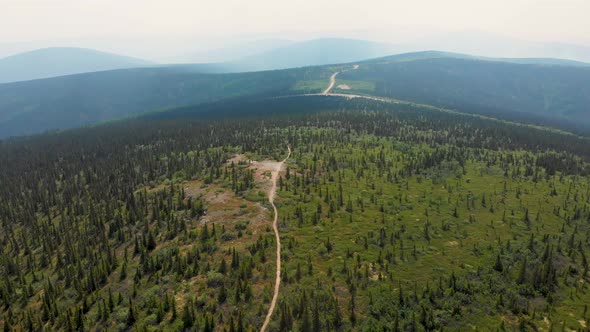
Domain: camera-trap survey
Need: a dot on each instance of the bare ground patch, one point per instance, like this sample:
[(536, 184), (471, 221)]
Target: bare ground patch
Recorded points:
[(263, 172)]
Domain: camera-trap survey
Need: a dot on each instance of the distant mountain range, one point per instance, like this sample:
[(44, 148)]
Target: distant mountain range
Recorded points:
[(234, 52), (277, 54), (314, 53), (481, 45), (52, 62), (257, 56), (271, 54), (515, 88)]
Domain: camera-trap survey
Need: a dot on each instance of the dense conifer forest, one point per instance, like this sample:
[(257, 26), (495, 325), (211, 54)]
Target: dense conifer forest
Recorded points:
[(392, 218), (535, 92)]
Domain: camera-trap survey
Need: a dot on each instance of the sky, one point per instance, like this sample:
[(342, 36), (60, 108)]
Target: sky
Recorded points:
[(155, 29)]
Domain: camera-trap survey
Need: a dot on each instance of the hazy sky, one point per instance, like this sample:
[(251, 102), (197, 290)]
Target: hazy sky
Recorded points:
[(112, 22)]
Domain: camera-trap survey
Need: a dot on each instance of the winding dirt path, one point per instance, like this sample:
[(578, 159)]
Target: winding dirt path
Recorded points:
[(327, 91), (332, 82), (275, 226)]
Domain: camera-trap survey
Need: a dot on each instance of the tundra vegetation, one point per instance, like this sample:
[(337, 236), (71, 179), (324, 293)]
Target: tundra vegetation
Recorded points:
[(392, 218)]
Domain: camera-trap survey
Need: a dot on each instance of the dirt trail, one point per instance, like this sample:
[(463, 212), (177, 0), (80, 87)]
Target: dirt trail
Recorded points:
[(332, 82), (327, 91), (275, 227)]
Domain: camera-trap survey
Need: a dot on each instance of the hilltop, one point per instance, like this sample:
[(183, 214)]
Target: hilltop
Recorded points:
[(60, 61)]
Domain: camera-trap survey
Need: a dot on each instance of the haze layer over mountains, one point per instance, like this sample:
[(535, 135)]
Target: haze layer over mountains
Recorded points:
[(265, 54)]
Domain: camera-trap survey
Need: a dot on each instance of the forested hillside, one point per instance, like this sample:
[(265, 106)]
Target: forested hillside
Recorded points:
[(523, 92), (85, 99), (551, 95), (392, 218)]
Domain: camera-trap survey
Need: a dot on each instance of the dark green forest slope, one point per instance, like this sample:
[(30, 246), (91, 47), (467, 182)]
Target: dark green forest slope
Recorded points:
[(521, 92), (392, 218), (84, 99), (542, 93)]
